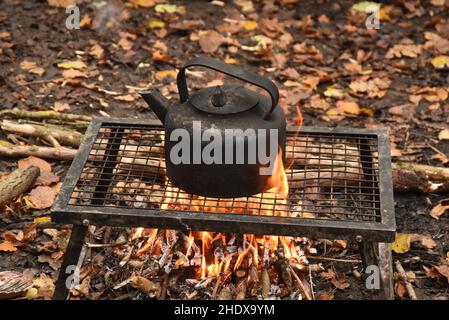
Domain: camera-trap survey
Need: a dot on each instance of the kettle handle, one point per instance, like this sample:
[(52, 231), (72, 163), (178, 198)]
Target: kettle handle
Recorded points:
[(229, 70)]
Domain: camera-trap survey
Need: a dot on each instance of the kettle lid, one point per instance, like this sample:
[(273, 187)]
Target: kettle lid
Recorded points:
[(226, 99)]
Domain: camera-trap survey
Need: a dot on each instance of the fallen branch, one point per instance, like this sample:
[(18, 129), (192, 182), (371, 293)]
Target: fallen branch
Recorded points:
[(17, 183), (404, 278), (60, 153), (44, 115), (50, 134), (420, 177)]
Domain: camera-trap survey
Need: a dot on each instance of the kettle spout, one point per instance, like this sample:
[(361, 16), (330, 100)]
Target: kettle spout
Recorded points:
[(157, 103)]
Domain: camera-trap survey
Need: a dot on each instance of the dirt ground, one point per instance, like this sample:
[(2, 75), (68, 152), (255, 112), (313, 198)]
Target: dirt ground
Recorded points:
[(319, 53)]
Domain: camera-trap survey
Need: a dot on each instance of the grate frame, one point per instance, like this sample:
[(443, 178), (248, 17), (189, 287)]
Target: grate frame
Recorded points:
[(99, 212)]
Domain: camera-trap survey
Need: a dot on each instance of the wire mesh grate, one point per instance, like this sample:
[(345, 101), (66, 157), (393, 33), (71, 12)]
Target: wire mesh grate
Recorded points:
[(331, 176)]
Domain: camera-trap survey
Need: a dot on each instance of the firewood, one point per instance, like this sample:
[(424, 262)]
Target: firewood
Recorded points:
[(59, 153), (283, 267), (303, 286), (50, 134), (17, 183), (265, 282), (419, 177)]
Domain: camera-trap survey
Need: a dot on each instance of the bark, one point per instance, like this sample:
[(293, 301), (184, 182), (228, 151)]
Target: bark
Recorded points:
[(60, 153), (17, 183), (65, 137)]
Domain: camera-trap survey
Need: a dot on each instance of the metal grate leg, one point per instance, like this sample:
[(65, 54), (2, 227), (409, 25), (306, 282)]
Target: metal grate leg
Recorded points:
[(71, 258)]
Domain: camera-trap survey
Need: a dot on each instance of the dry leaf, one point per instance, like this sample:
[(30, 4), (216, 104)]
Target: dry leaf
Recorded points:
[(73, 73), (438, 271), (404, 50), (31, 67), (62, 3), (32, 161), (348, 107), (425, 241), (144, 3), (61, 106), (151, 288), (127, 98), (210, 41), (440, 62), (443, 135), (436, 42), (340, 282), (162, 75), (8, 246), (400, 289), (42, 197), (97, 51), (438, 3), (45, 286), (440, 209), (47, 178), (402, 243), (339, 245), (77, 64)]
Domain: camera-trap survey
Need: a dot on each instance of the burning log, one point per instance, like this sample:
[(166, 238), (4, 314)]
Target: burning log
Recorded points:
[(283, 267), (265, 277)]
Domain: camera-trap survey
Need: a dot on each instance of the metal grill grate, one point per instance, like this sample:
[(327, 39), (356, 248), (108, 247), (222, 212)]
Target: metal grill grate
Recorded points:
[(336, 181)]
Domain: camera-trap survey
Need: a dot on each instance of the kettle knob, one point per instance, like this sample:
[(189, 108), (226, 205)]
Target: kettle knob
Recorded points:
[(218, 98)]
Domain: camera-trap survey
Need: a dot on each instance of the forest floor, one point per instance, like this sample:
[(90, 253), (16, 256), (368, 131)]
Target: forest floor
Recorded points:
[(319, 53)]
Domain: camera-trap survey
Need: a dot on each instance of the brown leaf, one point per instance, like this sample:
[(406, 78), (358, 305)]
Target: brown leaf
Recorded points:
[(425, 241), (400, 289), (436, 42), (42, 197), (73, 73), (440, 209), (144, 3), (438, 271), (340, 283), (62, 3), (348, 107), (127, 98), (404, 50), (210, 41), (47, 178), (45, 285), (339, 245), (151, 288), (32, 161), (7, 246), (61, 106), (31, 67), (443, 135)]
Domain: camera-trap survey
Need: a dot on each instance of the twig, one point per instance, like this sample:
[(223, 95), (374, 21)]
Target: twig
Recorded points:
[(300, 284), (403, 277), (44, 115), (108, 245), (335, 259)]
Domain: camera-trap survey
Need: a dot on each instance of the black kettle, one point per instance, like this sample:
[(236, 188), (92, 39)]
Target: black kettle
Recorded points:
[(221, 141)]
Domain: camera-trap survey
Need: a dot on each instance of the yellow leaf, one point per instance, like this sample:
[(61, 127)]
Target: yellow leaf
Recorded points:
[(333, 92), (77, 64), (143, 3), (155, 24), (166, 8), (161, 75), (366, 6), (402, 243), (32, 294), (250, 25), (440, 62), (7, 246), (44, 219)]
